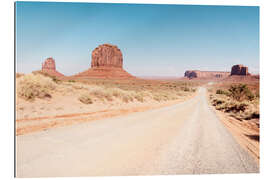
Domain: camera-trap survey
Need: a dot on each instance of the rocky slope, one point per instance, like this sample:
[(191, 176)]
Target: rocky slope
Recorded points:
[(107, 62)]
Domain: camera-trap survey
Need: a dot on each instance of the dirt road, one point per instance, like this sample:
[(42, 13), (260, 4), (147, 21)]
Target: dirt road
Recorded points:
[(186, 138)]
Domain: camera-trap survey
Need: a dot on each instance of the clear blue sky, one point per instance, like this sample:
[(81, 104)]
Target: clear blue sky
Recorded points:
[(156, 40)]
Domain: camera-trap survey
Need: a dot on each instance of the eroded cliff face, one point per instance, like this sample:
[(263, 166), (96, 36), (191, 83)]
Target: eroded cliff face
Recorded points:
[(239, 69), (206, 74), (107, 62), (107, 55), (49, 67), (49, 64)]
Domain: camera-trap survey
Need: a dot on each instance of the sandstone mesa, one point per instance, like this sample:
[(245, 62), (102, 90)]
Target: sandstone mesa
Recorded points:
[(205, 74)]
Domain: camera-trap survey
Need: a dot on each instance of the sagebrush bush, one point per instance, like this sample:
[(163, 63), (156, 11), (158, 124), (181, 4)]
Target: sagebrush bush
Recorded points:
[(127, 98), (221, 91), (86, 99), (241, 92), (55, 79), (139, 97), (31, 86), (231, 106), (71, 80), (186, 89), (217, 102), (101, 93)]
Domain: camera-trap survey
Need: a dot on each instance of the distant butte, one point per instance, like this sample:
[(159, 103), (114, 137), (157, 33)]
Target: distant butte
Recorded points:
[(49, 67), (107, 62), (205, 74), (240, 69)]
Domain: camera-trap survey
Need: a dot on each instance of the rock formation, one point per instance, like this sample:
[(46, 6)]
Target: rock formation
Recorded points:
[(49, 67), (239, 69), (107, 55), (107, 62), (206, 74)]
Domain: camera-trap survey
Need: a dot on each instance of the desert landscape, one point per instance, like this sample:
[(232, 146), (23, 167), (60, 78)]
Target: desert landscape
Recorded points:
[(47, 98), (51, 105), (106, 89)]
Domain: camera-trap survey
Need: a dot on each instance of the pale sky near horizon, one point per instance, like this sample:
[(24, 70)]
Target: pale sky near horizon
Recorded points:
[(156, 40)]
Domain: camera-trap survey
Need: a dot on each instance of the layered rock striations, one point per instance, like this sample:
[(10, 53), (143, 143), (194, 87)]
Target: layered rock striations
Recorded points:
[(107, 62), (205, 74), (239, 69), (49, 67), (107, 55)]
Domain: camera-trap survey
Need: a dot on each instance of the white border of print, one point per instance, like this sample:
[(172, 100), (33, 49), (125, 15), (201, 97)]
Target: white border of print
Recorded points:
[(7, 87)]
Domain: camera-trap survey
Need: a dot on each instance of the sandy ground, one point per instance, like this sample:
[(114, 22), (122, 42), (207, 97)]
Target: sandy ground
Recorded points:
[(185, 138), (245, 133), (67, 110)]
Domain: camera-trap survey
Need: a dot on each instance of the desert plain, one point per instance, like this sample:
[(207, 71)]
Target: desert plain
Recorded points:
[(104, 121)]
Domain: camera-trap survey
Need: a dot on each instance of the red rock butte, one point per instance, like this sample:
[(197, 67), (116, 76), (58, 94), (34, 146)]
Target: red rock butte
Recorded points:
[(206, 74), (107, 62), (49, 67), (240, 69)]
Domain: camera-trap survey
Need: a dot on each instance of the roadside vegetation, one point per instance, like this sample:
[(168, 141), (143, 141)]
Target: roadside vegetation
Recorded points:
[(38, 85), (240, 101), (33, 86)]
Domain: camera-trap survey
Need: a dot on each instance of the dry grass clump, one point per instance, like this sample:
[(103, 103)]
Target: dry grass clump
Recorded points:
[(31, 86), (231, 106), (101, 93), (166, 95), (86, 99), (139, 96), (127, 98), (78, 86), (114, 93), (124, 95), (19, 75)]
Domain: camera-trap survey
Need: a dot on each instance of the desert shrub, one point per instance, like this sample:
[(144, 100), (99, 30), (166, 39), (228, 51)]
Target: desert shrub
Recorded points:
[(164, 96), (116, 92), (250, 96), (56, 80), (139, 96), (156, 97), (217, 102), (186, 89), (71, 80), (31, 86), (257, 94), (86, 99), (101, 94), (79, 86), (240, 92), (235, 107), (221, 91), (127, 98), (253, 115)]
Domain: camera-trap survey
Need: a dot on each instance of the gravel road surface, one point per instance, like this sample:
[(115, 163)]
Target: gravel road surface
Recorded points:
[(186, 138)]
